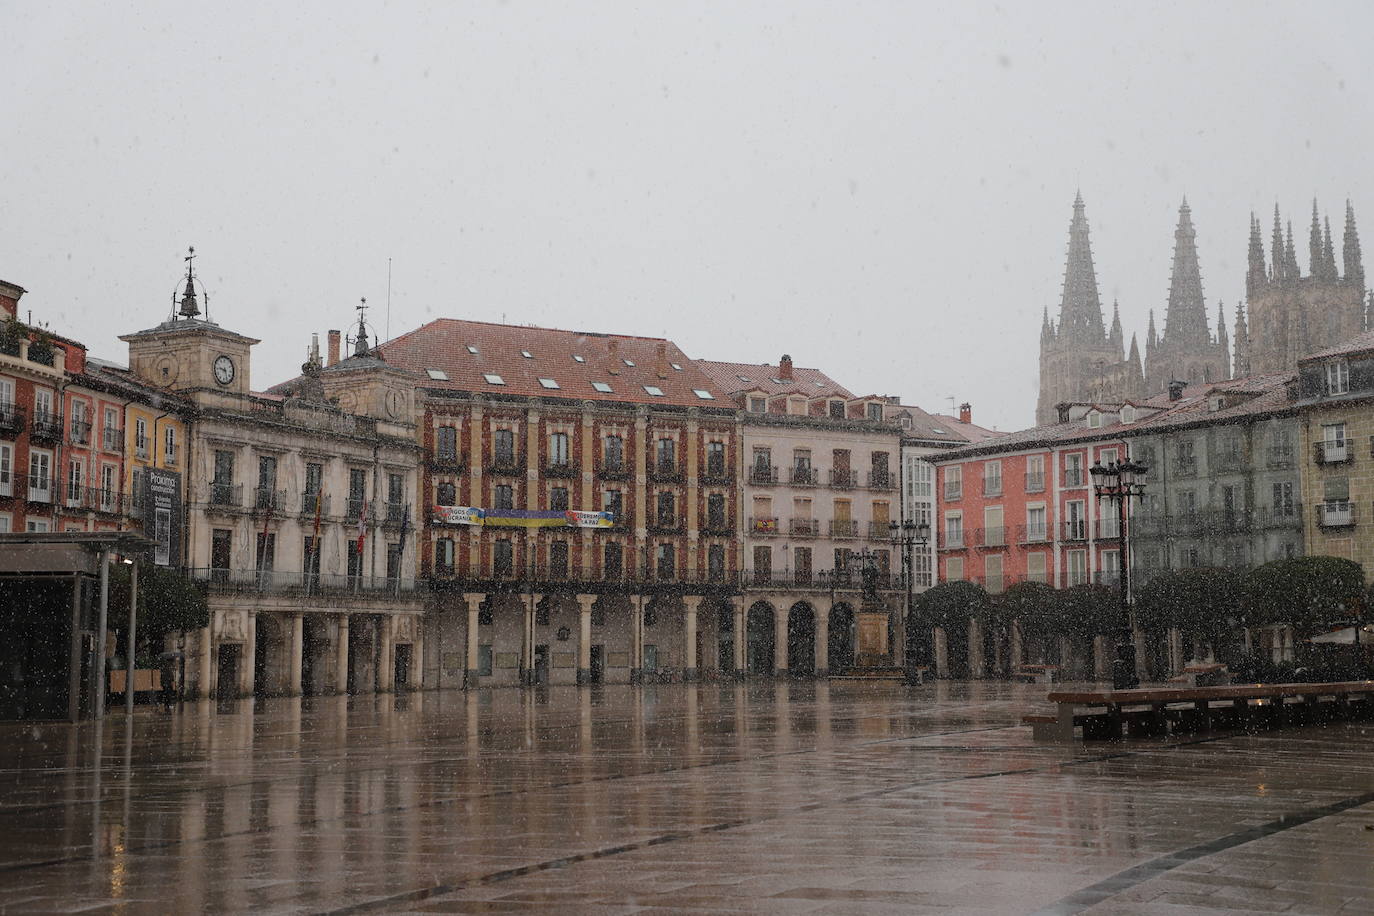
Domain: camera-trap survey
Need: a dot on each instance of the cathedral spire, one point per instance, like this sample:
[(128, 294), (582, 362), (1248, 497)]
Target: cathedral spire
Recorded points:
[(1046, 329), (1290, 256), (1329, 271), (1186, 317), (1222, 344), (1255, 276), (1080, 309), (1354, 268), (1115, 337), (1314, 244), (1151, 338), (1276, 248), (1242, 361)]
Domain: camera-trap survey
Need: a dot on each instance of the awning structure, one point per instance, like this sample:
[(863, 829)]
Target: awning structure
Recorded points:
[(1345, 636)]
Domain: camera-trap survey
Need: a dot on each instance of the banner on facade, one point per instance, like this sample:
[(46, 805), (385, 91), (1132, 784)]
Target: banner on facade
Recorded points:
[(524, 518), (162, 514), (590, 519), (457, 515)]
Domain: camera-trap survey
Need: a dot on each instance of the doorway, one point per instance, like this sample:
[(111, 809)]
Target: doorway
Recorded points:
[(840, 644), (541, 665), (801, 639), (597, 673), (759, 631), (401, 672)]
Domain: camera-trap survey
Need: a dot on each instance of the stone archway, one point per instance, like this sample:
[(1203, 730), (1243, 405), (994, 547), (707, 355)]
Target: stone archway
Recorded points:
[(760, 632), (843, 637), (271, 656), (801, 639)]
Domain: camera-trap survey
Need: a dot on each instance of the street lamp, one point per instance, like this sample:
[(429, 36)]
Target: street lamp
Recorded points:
[(906, 535), (1118, 483)]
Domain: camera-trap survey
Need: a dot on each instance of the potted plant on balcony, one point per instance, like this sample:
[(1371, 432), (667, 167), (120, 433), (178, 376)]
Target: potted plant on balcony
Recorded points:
[(12, 333)]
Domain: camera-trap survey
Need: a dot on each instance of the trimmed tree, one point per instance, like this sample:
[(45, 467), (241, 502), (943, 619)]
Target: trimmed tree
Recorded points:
[(1307, 593), (951, 604), (168, 601), (1211, 602)]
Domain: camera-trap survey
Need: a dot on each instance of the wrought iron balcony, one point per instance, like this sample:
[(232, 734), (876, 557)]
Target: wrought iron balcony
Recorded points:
[(882, 480), (763, 525), (843, 478), (991, 537), (804, 477), (354, 508), (11, 419), (38, 488), (613, 470), (667, 524), (992, 486), (762, 474), (81, 432), (46, 425), (1285, 516), (226, 495), (308, 503), (268, 499), (108, 502), (112, 439), (141, 447), (954, 491), (844, 528), (395, 514), (1336, 513), (447, 460), (278, 581), (718, 527), (878, 531), (717, 473), (1076, 530), (803, 527), (506, 465), (1074, 477), (951, 540), (1035, 483), (1032, 534), (566, 469), (667, 472)]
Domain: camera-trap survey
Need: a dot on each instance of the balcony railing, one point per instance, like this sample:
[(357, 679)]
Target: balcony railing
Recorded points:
[(506, 465), (353, 510), (882, 480), (109, 502), (613, 470), (844, 528), (11, 419), (666, 472), (763, 524), (1033, 534), (112, 439), (266, 498), (843, 479), (395, 513), (1107, 577), (1074, 530), (954, 491), (878, 531), (140, 446), (571, 577), (38, 489), (567, 469), (1035, 483), (992, 487), (277, 581), (1229, 461), (718, 527), (1107, 529), (1336, 514), (1287, 516), (227, 495), (1073, 477), (951, 540), (667, 524), (1333, 451), (991, 537), (81, 433), (804, 477), (762, 474), (308, 503), (1280, 456), (46, 425), (717, 473), (803, 528), (447, 460)]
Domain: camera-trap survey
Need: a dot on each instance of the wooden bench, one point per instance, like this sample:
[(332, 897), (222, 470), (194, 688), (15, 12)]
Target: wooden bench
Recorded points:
[(1038, 674), (1113, 714)]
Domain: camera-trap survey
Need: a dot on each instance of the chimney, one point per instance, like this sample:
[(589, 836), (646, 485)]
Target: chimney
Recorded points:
[(785, 368), (334, 344), (966, 412), (661, 360), (613, 346), (1176, 390), (1063, 409), (315, 348)]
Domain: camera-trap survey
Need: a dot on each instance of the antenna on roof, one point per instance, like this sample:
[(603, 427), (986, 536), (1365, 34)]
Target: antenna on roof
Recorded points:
[(388, 298), (952, 408)]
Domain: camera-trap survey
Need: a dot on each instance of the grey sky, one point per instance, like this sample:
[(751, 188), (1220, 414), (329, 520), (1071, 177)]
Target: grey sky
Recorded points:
[(881, 190)]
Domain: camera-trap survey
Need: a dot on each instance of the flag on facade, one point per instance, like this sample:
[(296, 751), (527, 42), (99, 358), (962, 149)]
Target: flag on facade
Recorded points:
[(319, 504), (362, 526), (405, 529)]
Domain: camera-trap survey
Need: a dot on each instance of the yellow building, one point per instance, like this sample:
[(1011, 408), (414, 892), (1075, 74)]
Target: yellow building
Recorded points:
[(1335, 396)]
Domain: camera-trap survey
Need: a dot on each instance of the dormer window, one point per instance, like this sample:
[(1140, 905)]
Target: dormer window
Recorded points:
[(1216, 403), (837, 410), (1127, 414), (1337, 377), (758, 405), (875, 411), (1094, 419)]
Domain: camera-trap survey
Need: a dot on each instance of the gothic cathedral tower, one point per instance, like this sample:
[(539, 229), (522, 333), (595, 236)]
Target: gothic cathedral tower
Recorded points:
[(1187, 351), (1078, 360), (1292, 315)]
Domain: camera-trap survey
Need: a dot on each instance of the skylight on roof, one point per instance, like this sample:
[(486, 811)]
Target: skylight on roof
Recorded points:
[(602, 387), (820, 384), (578, 359), (527, 354), (654, 390), (472, 349), (493, 379), (439, 375), (936, 429), (548, 383), (742, 378), (628, 362), (777, 381), (704, 395), (676, 367)]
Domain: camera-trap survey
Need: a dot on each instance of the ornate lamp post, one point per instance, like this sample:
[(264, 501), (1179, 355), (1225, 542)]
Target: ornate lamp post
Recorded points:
[(1118, 484), (907, 535)]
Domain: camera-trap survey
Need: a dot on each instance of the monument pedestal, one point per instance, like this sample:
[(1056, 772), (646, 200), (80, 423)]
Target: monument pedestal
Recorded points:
[(872, 649)]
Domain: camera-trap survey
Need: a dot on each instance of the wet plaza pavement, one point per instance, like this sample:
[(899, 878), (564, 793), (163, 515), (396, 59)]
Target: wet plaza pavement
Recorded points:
[(802, 797)]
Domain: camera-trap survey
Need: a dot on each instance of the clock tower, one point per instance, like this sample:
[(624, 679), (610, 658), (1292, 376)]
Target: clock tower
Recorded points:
[(189, 353)]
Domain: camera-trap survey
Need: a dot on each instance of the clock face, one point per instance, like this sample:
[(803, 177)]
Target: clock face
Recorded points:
[(224, 370), (393, 404)]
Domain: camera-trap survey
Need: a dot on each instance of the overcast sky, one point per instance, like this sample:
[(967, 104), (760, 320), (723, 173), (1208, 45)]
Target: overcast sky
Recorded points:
[(882, 190)]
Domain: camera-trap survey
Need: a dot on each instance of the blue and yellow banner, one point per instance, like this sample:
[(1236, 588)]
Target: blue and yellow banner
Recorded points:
[(521, 518)]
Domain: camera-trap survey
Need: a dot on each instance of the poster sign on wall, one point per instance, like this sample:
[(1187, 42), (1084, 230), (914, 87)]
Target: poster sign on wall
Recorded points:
[(162, 514)]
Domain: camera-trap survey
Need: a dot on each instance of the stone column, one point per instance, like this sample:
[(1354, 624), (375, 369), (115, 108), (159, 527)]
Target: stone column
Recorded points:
[(293, 684), (1102, 662), (250, 653), (417, 656), (386, 644), (780, 641), (584, 638), (474, 601), (941, 653), (1015, 661), (741, 637), (527, 639), (1138, 638), (975, 648), (689, 655), (822, 641), (207, 649), (636, 638), (341, 656)]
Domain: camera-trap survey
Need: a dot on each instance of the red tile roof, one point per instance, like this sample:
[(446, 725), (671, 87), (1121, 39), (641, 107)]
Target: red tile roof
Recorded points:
[(446, 343), (736, 378), (1357, 344)]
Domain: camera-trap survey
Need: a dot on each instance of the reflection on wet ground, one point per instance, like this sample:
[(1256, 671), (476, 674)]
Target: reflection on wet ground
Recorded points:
[(790, 797)]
